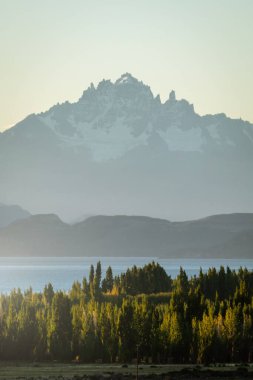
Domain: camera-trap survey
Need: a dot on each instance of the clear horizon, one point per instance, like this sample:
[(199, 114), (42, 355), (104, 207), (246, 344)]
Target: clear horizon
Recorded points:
[(51, 51)]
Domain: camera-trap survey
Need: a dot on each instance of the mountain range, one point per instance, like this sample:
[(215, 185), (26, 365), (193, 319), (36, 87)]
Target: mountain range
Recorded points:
[(218, 236), (11, 213), (121, 150)]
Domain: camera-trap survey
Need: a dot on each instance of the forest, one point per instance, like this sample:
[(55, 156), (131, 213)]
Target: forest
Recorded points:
[(143, 312)]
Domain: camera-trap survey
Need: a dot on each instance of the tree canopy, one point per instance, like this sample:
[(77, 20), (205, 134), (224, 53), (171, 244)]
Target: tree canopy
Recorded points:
[(203, 319)]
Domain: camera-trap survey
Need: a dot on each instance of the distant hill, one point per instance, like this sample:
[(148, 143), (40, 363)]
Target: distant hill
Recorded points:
[(224, 236), (10, 214), (121, 150)]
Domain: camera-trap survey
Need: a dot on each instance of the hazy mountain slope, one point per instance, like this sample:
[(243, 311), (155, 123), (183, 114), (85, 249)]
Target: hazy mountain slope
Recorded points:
[(227, 236), (10, 214), (38, 235), (120, 150)]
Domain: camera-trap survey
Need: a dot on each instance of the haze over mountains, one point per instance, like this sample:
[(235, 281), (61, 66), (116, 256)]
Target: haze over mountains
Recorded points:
[(223, 236), (10, 214), (120, 150)]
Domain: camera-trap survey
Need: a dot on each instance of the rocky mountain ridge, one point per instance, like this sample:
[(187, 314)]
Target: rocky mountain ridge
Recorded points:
[(119, 149)]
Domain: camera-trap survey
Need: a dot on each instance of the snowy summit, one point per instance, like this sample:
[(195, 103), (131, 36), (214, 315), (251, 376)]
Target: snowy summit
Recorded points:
[(114, 118), (118, 142)]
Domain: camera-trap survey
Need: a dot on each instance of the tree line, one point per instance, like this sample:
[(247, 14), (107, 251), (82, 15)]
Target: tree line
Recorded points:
[(202, 319)]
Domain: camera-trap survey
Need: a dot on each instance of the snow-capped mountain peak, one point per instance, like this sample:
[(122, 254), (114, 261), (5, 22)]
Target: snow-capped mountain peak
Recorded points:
[(119, 149), (112, 119)]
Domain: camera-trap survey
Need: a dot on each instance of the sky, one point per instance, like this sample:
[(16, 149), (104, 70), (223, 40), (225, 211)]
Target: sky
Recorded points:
[(51, 50)]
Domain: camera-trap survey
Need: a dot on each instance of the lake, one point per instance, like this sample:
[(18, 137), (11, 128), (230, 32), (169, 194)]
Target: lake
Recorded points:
[(63, 271)]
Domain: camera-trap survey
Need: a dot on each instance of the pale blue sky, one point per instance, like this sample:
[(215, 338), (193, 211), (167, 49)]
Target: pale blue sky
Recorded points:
[(52, 49)]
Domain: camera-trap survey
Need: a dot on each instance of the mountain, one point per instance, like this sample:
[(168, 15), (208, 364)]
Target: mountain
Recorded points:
[(10, 214), (224, 236), (120, 150)]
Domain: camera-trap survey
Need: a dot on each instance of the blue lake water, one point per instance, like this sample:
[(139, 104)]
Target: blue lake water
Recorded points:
[(62, 272)]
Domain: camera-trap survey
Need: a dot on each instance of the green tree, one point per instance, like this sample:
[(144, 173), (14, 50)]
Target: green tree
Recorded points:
[(97, 281), (127, 332), (48, 293), (60, 330), (107, 283), (91, 280)]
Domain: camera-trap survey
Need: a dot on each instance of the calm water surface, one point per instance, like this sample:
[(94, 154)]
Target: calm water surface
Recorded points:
[(62, 272)]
